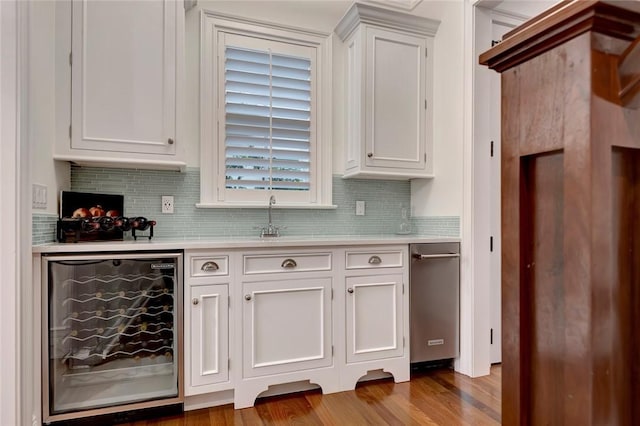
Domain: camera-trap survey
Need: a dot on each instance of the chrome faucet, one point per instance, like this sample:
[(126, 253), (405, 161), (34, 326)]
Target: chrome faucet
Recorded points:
[(270, 230)]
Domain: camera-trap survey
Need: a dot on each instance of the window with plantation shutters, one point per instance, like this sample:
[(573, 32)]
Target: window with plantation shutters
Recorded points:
[(267, 120), (265, 117)]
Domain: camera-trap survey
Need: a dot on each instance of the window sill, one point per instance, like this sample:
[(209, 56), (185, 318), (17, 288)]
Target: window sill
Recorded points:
[(279, 205)]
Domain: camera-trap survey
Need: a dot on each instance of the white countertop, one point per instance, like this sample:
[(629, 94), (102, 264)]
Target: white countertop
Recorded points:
[(143, 244)]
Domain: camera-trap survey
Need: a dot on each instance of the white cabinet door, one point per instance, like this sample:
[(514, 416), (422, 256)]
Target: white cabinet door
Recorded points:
[(208, 310), (374, 317), (395, 99), (389, 92), (124, 76), (286, 325)]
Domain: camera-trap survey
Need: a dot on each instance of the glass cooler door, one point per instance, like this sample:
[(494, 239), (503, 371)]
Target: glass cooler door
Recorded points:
[(112, 330)]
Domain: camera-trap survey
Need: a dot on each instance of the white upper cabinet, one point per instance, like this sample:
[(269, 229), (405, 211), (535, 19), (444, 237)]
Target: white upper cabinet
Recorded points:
[(389, 86), (125, 65)]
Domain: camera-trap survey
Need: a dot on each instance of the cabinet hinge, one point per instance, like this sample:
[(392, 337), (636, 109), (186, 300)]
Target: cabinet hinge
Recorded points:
[(332, 351), (402, 288), (425, 157), (490, 243), (69, 131), (491, 337), (331, 294), (492, 148), (228, 301), (426, 52), (70, 58), (229, 363), (425, 104), (404, 344)]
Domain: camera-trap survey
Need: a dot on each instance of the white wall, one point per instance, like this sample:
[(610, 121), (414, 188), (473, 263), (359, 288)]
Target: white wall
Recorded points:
[(43, 114), (9, 212), (476, 274), (442, 196), (520, 8)]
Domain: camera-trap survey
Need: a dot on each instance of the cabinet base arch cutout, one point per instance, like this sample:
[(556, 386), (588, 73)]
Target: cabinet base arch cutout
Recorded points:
[(362, 373), (249, 390)]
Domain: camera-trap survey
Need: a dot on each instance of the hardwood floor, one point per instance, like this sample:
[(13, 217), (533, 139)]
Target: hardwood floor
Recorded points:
[(435, 397)]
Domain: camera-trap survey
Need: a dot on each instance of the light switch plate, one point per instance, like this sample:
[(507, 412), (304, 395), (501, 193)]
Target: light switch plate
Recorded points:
[(39, 196), (359, 208)]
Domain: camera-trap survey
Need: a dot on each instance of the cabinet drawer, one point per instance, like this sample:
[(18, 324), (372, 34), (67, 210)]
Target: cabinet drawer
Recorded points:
[(374, 259), (209, 266), (293, 262)]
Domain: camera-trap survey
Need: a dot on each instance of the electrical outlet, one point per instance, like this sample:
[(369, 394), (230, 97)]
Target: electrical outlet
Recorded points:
[(359, 208), (167, 204)]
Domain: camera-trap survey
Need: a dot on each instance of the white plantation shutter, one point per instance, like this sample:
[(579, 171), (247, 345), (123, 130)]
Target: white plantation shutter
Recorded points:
[(267, 120), (265, 115)]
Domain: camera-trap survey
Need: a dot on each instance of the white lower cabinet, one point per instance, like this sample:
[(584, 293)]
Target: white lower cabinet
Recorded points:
[(286, 322), (209, 334), (286, 325), (207, 337), (376, 305), (374, 317), (269, 321)]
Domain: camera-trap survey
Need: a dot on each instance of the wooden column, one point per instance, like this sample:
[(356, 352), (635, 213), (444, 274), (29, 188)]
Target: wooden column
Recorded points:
[(571, 216)]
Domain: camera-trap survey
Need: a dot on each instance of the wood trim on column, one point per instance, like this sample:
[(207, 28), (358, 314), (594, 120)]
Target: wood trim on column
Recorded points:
[(560, 25), (570, 199), (629, 75)]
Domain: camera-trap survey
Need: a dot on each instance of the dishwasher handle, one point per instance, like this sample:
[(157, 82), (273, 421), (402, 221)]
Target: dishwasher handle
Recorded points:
[(418, 256)]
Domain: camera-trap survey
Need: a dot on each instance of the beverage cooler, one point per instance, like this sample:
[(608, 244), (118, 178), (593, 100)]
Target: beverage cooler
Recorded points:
[(112, 342)]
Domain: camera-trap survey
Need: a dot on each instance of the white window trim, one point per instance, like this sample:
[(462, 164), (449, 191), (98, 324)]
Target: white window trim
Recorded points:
[(212, 24)]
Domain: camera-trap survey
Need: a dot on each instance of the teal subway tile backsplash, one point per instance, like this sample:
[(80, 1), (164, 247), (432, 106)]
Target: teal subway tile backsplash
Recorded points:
[(43, 228), (436, 226), (143, 189)]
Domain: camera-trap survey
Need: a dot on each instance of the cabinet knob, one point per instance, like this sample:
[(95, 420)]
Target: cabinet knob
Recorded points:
[(195, 301), (170, 141), (370, 154), (247, 297), (375, 260), (350, 290), (289, 263), (210, 266)]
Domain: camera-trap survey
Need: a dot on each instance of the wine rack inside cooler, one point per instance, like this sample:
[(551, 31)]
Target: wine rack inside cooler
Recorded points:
[(112, 331)]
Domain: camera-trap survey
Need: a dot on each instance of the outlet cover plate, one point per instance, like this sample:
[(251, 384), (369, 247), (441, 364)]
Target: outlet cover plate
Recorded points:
[(167, 204)]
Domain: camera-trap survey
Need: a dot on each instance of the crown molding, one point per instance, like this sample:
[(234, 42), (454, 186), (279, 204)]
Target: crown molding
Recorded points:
[(407, 5), (361, 13)]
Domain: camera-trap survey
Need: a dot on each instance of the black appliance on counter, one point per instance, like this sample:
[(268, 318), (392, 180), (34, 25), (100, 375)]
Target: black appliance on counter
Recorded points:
[(96, 217), (112, 337)]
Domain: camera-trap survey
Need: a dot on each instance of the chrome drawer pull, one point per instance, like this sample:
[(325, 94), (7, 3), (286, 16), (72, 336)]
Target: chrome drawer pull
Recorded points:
[(434, 256), (375, 260), (247, 297), (289, 263), (350, 290), (210, 266), (195, 301)]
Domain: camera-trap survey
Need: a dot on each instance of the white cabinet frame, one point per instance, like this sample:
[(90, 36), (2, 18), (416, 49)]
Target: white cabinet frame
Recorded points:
[(389, 92)]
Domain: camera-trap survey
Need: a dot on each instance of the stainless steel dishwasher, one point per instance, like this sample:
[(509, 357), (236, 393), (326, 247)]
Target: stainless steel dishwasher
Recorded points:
[(435, 301)]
